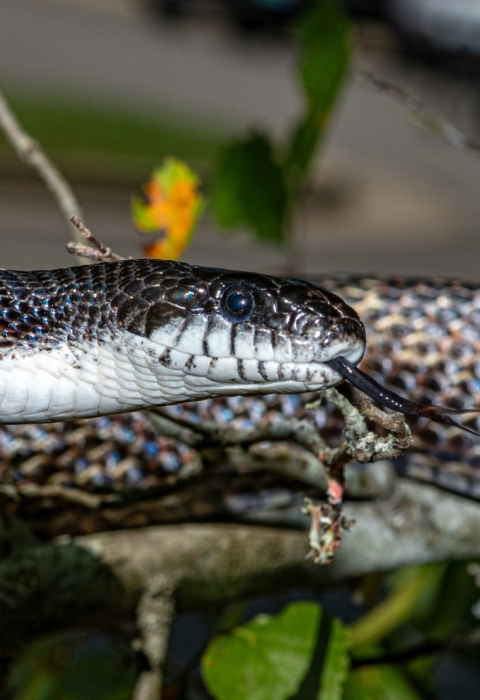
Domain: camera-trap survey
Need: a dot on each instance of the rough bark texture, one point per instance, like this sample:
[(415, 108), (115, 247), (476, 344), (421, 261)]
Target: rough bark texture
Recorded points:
[(43, 586)]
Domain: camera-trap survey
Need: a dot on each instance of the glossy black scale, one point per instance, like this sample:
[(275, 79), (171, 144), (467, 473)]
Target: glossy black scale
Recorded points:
[(41, 309), (406, 365)]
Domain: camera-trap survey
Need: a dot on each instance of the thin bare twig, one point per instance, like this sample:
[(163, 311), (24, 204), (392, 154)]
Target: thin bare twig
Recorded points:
[(420, 114), (211, 433), (33, 154), (84, 251), (360, 443), (96, 250)]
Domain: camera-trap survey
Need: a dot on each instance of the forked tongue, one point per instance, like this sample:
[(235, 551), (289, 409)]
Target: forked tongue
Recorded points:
[(389, 399)]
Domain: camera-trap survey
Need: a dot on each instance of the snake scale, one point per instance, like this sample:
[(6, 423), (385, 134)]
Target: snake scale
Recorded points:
[(115, 337)]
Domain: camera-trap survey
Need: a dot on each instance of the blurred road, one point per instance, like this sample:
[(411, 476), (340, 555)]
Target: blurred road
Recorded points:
[(388, 198)]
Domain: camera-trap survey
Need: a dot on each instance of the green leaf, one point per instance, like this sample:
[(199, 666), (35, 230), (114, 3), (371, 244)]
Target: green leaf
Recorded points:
[(337, 662), (380, 683), (354, 688), (75, 666), (249, 189), (301, 650), (325, 56), (304, 140), (325, 44)]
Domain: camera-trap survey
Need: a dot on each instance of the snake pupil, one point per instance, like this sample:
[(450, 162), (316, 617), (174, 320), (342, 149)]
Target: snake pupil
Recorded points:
[(237, 304)]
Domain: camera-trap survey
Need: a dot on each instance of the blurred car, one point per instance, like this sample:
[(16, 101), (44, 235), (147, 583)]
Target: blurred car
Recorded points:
[(448, 26)]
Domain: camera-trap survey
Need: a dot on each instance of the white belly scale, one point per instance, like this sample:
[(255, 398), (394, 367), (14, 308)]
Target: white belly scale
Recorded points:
[(125, 373)]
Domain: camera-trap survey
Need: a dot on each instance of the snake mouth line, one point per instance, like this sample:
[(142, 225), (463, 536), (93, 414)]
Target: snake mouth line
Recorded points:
[(389, 399)]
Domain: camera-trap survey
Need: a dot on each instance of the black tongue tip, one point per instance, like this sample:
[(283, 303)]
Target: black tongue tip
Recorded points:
[(389, 399)]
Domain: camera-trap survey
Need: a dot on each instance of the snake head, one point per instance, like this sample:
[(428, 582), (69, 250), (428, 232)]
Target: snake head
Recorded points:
[(112, 337), (222, 332)]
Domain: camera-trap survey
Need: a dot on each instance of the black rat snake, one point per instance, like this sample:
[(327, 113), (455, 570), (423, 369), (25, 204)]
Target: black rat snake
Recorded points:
[(114, 337)]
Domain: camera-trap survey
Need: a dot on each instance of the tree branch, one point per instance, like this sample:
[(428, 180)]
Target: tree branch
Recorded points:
[(420, 114), (33, 154), (96, 250), (230, 453), (155, 615), (209, 563), (217, 562), (106, 577)]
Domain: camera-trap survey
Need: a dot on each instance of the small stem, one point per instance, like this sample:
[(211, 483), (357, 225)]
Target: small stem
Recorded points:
[(97, 249), (425, 648), (420, 114), (33, 154), (155, 615)]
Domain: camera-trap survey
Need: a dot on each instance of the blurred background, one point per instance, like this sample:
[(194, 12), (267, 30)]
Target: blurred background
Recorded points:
[(109, 87), (112, 87)]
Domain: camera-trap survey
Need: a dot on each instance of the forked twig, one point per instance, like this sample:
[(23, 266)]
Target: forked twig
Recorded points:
[(96, 250)]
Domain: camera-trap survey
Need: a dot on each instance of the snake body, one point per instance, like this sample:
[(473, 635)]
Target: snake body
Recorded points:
[(113, 337), (423, 341)]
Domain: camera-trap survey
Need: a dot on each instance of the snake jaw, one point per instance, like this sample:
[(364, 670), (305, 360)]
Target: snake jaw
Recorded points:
[(390, 399), (290, 330), (116, 337)]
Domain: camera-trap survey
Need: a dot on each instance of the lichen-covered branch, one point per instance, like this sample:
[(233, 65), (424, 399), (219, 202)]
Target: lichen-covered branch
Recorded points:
[(108, 577), (360, 443), (365, 446), (208, 563), (228, 459)]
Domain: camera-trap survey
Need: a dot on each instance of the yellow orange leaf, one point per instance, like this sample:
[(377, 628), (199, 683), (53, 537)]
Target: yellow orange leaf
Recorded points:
[(170, 206)]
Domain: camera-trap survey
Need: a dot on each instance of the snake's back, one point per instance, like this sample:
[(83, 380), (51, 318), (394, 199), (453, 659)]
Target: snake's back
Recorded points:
[(40, 309)]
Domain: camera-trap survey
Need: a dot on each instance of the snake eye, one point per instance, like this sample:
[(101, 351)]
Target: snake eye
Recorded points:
[(237, 304)]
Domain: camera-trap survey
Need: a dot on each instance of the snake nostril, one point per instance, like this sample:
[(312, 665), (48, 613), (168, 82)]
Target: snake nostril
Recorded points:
[(298, 322)]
